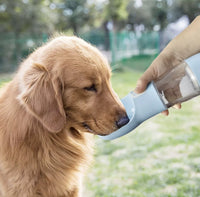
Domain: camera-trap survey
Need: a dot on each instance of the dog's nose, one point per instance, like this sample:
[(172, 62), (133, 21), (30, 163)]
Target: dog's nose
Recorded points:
[(122, 121)]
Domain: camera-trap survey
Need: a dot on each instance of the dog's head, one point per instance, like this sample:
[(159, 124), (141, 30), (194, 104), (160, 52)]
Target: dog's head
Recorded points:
[(66, 83)]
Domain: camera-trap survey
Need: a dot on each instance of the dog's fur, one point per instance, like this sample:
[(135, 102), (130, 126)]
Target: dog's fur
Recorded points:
[(59, 96)]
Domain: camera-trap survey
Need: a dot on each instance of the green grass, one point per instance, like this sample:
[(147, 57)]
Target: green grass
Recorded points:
[(161, 158), (139, 63), (5, 78)]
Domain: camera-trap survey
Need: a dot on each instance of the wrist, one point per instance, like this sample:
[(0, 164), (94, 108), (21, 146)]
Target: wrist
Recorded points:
[(171, 57)]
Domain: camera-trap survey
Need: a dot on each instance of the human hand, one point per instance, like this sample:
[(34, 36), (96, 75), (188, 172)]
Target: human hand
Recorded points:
[(181, 47), (161, 65)]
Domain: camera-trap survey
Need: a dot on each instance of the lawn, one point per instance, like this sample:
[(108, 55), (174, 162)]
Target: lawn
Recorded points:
[(4, 78), (161, 158)]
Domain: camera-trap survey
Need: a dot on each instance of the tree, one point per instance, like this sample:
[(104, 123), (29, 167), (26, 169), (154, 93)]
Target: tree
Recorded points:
[(21, 16), (160, 13), (115, 11), (140, 14), (17, 19), (148, 13), (191, 8), (74, 14)]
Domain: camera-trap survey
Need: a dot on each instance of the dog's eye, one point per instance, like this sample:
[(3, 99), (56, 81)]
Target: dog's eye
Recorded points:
[(91, 88)]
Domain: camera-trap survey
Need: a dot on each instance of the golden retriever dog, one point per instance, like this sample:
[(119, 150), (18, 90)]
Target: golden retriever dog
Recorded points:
[(60, 96)]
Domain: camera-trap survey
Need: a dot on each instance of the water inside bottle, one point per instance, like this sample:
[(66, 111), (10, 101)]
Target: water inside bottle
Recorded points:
[(178, 85)]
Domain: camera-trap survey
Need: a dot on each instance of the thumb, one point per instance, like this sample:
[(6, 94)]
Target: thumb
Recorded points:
[(148, 76), (141, 86)]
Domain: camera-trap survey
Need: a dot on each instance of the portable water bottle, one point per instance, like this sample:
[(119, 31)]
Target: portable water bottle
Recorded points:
[(178, 85)]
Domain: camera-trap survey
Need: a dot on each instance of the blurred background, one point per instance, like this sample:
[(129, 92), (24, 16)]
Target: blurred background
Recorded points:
[(161, 158), (120, 29)]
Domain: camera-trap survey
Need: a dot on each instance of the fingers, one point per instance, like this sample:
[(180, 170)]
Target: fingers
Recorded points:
[(144, 81), (165, 113), (177, 106), (148, 76), (140, 86)]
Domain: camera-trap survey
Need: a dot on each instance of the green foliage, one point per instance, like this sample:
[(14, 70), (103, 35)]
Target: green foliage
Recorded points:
[(185, 7), (142, 14), (26, 15), (36, 16), (116, 12), (13, 50), (150, 13), (159, 13), (154, 12), (74, 14), (22, 24)]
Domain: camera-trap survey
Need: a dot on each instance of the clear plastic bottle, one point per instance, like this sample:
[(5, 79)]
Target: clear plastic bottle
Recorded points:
[(178, 85)]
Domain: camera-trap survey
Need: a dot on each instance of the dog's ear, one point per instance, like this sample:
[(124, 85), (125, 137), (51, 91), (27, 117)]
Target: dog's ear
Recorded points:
[(41, 95)]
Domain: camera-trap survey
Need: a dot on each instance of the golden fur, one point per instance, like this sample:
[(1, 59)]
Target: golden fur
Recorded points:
[(59, 96)]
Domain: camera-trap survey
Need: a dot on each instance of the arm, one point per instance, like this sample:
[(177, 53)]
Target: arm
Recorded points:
[(186, 43)]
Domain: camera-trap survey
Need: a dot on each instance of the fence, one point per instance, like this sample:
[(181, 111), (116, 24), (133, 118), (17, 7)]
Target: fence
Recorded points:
[(13, 49), (115, 46), (127, 44)]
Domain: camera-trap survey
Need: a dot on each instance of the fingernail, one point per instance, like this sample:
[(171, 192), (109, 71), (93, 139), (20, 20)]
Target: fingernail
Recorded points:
[(177, 106)]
